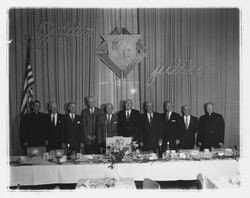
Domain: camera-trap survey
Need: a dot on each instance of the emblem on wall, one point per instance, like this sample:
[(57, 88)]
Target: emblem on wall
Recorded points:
[(121, 51)]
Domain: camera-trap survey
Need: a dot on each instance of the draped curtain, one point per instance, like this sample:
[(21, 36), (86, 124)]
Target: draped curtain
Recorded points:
[(67, 69)]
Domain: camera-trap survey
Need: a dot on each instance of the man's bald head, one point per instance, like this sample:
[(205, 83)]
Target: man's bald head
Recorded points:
[(185, 110), (109, 108), (149, 107), (52, 107), (90, 101)]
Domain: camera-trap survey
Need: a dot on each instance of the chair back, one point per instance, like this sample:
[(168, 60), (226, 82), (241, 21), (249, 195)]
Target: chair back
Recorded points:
[(202, 183), (150, 184), (36, 151)]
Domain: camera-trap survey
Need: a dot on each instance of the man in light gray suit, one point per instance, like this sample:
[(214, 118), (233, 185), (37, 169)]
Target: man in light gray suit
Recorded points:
[(106, 125), (88, 118)]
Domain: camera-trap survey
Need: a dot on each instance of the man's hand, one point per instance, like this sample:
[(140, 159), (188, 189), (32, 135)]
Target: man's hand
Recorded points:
[(91, 137), (46, 142), (141, 144), (63, 145), (81, 145), (26, 144), (177, 142), (199, 144), (221, 144)]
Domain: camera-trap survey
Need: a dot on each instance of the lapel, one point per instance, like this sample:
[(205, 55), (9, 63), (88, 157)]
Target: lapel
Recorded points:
[(113, 119), (89, 115), (131, 114), (124, 115), (191, 122), (171, 116)]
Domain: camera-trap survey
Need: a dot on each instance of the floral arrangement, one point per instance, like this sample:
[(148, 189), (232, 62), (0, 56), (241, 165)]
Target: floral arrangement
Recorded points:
[(119, 149)]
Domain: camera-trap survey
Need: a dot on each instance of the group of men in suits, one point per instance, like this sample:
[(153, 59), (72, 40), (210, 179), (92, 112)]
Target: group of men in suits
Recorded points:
[(89, 130)]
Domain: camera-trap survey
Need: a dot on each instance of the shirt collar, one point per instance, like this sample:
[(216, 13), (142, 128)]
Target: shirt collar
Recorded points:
[(128, 111)]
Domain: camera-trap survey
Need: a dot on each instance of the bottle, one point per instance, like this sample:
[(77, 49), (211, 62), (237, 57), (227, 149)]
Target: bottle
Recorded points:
[(160, 149), (168, 148), (235, 151), (68, 152)]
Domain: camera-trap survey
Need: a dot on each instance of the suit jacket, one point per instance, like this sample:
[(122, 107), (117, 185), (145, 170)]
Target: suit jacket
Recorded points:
[(106, 128), (211, 130), (127, 128), (89, 123), (150, 133), (72, 131), (32, 129), (54, 132), (170, 128), (187, 136)]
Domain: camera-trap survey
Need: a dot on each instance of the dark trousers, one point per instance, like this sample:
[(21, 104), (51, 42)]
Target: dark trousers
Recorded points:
[(91, 148)]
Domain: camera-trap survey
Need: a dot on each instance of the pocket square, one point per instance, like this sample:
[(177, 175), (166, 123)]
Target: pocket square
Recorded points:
[(115, 122), (173, 120), (78, 122)]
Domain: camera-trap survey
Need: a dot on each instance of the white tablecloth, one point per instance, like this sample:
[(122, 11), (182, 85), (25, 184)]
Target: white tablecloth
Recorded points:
[(161, 171)]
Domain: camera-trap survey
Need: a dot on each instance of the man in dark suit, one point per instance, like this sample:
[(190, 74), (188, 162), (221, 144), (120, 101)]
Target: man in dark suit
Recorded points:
[(89, 118), (187, 129), (53, 124), (211, 129), (106, 125), (72, 129), (32, 128), (128, 120), (150, 128), (170, 118)]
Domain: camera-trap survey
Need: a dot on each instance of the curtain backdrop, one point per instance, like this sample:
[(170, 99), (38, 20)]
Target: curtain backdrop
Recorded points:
[(67, 69)]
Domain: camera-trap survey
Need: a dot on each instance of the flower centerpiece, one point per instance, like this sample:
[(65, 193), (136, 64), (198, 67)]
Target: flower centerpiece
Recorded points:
[(119, 148)]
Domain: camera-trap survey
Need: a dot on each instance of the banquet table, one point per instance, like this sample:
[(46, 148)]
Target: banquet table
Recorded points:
[(157, 170)]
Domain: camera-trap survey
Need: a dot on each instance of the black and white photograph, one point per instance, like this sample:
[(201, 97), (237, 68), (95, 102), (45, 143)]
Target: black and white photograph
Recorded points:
[(129, 98)]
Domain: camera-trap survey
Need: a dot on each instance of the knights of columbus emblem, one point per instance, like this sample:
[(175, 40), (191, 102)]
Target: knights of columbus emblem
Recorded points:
[(121, 52)]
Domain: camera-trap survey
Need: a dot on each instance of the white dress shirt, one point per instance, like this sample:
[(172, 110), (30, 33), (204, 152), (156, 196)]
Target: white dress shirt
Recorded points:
[(187, 119), (150, 114), (169, 114), (109, 117), (92, 111), (55, 118), (128, 112), (72, 115)]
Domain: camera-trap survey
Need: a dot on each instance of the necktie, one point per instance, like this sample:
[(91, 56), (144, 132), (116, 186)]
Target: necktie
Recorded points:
[(109, 118), (92, 113), (127, 116), (72, 117), (186, 122), (151, 118)]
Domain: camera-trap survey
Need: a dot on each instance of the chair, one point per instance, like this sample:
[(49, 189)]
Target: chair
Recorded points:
[(201, 178), (150, 184), (36, 151)]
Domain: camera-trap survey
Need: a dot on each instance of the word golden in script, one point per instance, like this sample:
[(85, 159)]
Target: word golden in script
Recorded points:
[(47, 30), (178, 68)]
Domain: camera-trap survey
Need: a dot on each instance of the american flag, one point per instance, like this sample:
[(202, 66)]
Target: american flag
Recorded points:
[(28, 83)]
